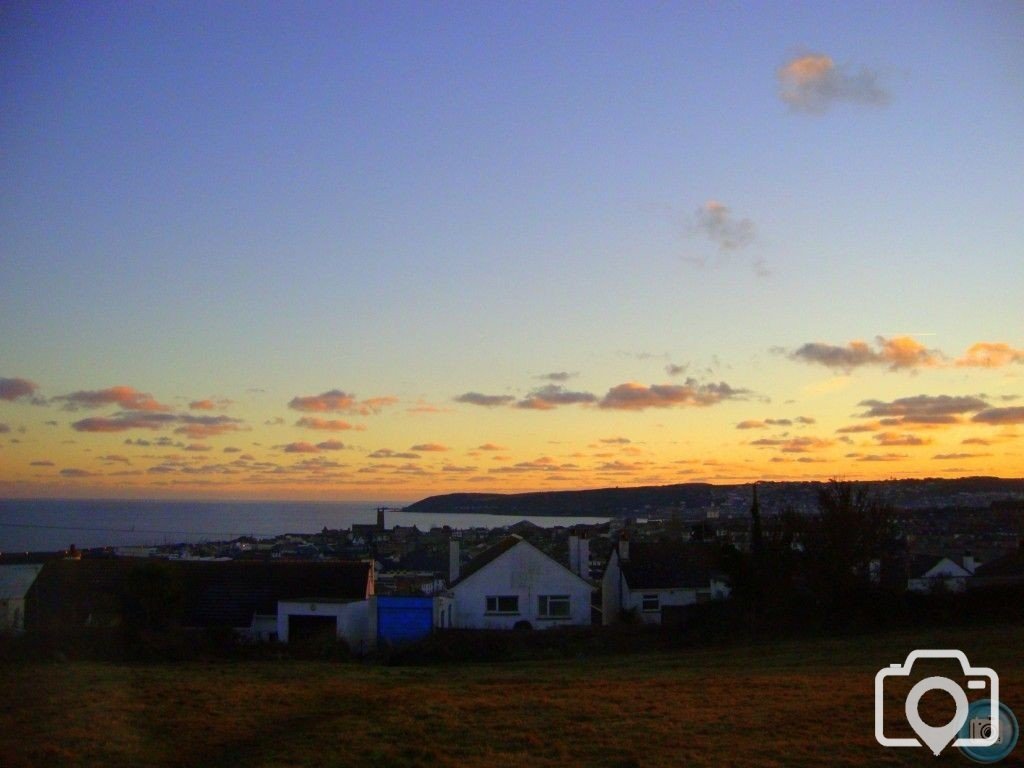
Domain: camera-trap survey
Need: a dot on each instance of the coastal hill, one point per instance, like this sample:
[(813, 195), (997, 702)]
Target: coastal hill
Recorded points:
[(620, 502)]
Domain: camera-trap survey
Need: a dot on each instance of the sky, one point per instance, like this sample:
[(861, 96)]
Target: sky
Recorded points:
[(387, 250)]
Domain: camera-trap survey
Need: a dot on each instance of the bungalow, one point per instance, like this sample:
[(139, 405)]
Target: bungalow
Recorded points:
[(929, 573), (242, 595), (513, 585), (645, 579), (1000, 572), (15, 582)]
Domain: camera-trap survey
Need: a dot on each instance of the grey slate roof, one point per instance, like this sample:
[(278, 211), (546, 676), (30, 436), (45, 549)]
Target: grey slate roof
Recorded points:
[(214, 593), (667, 565)]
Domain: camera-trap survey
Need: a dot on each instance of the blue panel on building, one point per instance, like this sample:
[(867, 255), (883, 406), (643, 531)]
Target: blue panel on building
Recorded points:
[(404, 619)]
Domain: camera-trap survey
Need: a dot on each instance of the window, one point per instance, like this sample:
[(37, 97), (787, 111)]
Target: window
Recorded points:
[(650, 603), (553, 607), (503, 604)]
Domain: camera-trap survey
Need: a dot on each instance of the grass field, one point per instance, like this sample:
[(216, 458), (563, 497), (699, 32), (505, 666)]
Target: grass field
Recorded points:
[(799, 703)]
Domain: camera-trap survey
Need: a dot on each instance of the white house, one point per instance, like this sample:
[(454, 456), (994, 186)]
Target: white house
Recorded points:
[(645, 578), (15, 582), (931, 573), (513, 584)]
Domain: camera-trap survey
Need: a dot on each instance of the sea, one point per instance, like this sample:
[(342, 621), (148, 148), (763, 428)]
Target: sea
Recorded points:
[(45, 525)]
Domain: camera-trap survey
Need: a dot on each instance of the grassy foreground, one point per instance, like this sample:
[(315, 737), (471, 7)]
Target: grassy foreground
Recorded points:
[(793, 703)]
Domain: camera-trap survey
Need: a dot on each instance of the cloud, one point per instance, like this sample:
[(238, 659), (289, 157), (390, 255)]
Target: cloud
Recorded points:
[(487, 401), (128, 398), (15, 389), (897, 353), (676, 370), (557, 376), (491, 447), (429, 447), (331, 445), (210, 405), (197, 447), (277, 421), (987, 354), (115, 458), (894, 439), (301, 447), (73, 472), (336, 401), (616, 440), (331, 425), (1014, 415), (387, 453), (633, 396), (232, 449), (878, 456), (200, 427), (4, 429), (124, 421), (795, 444), (957, 456), (923, 409), (553, 395), (751, 424), (41, 463), (855, 428), (813, 82), (715, 221)]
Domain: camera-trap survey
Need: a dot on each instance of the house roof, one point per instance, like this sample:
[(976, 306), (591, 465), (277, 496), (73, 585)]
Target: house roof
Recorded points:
[(214, 593), (15, 580), (667, 565), (1009, 566), (492, 553), (489, 555), (920, 565)]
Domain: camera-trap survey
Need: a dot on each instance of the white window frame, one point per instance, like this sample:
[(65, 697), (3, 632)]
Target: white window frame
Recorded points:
[(544, 603), (496, 601)]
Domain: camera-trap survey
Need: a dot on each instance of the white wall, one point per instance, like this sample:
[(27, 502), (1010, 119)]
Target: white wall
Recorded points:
[(617, 596), (528, 573), (352, 620)]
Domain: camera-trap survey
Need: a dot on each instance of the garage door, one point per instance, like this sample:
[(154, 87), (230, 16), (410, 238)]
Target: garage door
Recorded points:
[(404, 619)]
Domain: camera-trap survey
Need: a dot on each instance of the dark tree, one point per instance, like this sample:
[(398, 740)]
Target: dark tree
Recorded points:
[(852, 528)]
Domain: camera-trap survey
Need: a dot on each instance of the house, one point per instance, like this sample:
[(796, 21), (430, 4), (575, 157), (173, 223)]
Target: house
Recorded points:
[(510, 585), (15, 582), (1000, 572), (929, 573), (644, 579), (243, 595)]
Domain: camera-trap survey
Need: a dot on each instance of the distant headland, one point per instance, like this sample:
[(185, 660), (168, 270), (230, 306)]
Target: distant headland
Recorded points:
[(638, 501)]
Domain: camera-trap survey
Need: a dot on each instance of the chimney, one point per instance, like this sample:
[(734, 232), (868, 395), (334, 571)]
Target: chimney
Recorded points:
[(574, 553), (584, 557), (624, 546), (453, 560), (969, 565)]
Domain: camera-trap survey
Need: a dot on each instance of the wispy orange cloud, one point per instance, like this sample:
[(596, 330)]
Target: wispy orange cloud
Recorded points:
[(486, 401), (897, 353), (336, 401), (331, 425), (210, 405), (813, 82), (633, 396), (128, 398), (553, 395), (429, 447), (988, 354)]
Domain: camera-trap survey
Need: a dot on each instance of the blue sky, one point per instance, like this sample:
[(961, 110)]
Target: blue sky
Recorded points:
[(417, 200)]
